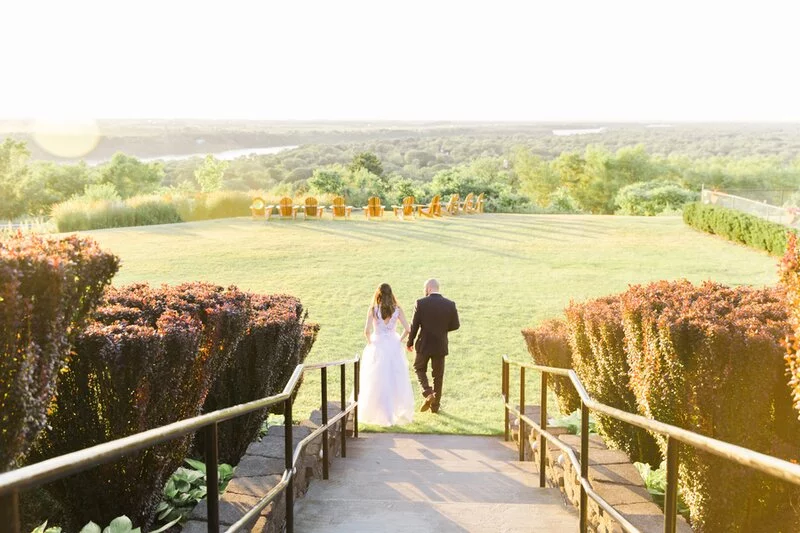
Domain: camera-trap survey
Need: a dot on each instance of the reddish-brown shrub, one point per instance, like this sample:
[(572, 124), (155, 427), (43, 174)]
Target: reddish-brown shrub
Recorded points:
[(708, 358), (548, 345), (47, 288), (148, 360), (790, 279), (276, 340), (598, 356)]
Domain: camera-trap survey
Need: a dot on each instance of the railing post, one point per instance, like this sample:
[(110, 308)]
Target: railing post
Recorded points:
[(324, 422), (288, 456), (343, 421), (356, 387), (505, 399), (671, 496), (9, 511), (584, 466), (522, 412), (212, 476), (543, 424)]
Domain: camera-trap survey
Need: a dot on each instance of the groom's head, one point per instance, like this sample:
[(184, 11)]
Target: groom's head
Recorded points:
[(431, 286)]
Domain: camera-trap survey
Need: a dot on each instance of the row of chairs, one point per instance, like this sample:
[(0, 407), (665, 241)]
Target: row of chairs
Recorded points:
[(286, 208)]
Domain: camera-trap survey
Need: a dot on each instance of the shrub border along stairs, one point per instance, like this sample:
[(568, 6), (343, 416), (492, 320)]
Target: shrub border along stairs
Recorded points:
[(11, 483), (778, 468)]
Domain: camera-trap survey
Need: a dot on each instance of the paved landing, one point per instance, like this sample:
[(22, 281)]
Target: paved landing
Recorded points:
[(431, 483)]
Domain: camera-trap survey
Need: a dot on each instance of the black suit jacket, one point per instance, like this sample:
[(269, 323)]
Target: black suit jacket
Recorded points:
[(434, 316)]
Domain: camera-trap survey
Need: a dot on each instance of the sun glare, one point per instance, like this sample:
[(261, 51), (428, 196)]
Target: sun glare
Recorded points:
[(66, 138)]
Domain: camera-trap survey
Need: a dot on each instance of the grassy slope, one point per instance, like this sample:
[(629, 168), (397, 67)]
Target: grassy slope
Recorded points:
[(506, 272)]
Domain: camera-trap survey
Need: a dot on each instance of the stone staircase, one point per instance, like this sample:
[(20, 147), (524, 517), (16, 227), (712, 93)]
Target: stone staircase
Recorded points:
[(431, 483)]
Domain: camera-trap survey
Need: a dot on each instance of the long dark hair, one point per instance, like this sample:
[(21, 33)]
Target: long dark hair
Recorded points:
[(385, 300)]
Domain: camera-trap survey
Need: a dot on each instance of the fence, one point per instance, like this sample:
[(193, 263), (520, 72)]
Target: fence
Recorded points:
[(11, 483), (675, 437), (781, 215)]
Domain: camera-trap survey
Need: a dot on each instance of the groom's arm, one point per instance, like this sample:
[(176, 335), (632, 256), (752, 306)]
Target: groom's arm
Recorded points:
[(454, 323), (414, 327)]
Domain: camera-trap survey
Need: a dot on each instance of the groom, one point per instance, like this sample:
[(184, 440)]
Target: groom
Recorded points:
[(434, 316)]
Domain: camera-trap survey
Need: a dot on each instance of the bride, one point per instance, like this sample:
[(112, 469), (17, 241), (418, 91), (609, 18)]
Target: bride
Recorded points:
[(385, 396)]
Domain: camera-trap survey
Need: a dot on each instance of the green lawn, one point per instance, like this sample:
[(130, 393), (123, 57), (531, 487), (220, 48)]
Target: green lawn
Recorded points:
[(505, 272)]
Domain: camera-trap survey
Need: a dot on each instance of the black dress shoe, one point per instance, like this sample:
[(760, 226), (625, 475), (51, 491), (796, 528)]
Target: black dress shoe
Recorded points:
[(434, 409), (428, 402)]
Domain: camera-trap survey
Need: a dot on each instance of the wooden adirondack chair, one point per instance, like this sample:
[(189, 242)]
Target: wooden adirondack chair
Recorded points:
[(433, 209), (339, 210), (312, 208), (452, 205), (374, 209), (258, 208), (405, 210), (468, 207), (286, 208), (479, 204)]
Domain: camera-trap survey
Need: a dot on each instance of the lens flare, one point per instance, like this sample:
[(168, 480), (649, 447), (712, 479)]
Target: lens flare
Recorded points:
[(66, 138)]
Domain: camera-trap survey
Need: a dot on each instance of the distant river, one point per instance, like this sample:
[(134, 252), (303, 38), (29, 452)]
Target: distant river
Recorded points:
[(583, 131), (227, 155)]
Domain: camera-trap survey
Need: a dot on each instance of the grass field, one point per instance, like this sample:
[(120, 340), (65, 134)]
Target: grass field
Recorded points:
[(505, 272)]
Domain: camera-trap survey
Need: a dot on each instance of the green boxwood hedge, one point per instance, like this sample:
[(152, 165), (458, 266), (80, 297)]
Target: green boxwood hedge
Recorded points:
[(736, 226)]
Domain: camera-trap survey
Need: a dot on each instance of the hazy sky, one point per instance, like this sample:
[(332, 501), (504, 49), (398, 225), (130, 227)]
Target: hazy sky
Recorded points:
[(388, 59)]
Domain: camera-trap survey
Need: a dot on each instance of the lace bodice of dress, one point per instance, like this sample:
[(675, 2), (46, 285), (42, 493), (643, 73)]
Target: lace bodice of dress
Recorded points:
[(383, 328)]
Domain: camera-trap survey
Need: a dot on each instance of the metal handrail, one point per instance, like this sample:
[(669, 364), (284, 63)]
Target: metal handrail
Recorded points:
[(11, 483), (767, 464), (570, 453)]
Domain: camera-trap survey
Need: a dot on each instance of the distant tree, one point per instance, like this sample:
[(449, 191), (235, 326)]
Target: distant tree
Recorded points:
[(300, 173), (537, 178), (368, 161), (14, 170), (101, 192), (419, 157), (652, 197), (632, 164), (129, 176), (326, 181), (64, 181), (405, 187), (209, 174), (364, 181)]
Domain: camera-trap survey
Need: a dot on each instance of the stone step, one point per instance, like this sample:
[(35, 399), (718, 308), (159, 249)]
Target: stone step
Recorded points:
[(431, 483)]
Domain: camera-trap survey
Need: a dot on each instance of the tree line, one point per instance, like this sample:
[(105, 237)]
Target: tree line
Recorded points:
[(514, 174)]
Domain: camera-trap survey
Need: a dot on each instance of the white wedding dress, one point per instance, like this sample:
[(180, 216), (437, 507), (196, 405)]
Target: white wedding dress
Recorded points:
[(385, 395)]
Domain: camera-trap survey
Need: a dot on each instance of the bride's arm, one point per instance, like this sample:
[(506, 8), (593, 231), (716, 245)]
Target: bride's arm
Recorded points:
[(368, 325), (404, 322)]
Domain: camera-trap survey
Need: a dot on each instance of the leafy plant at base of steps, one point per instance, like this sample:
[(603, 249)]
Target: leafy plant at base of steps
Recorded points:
[(656, 483), (572, 423), (121, 524), (186, 488)]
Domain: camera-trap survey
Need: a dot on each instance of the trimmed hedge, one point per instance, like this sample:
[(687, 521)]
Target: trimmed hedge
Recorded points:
[(147, 360), (276, 340), (790, 279), (548, 345), (47, 289), (708, 358), (738, 227), (597, 340)]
